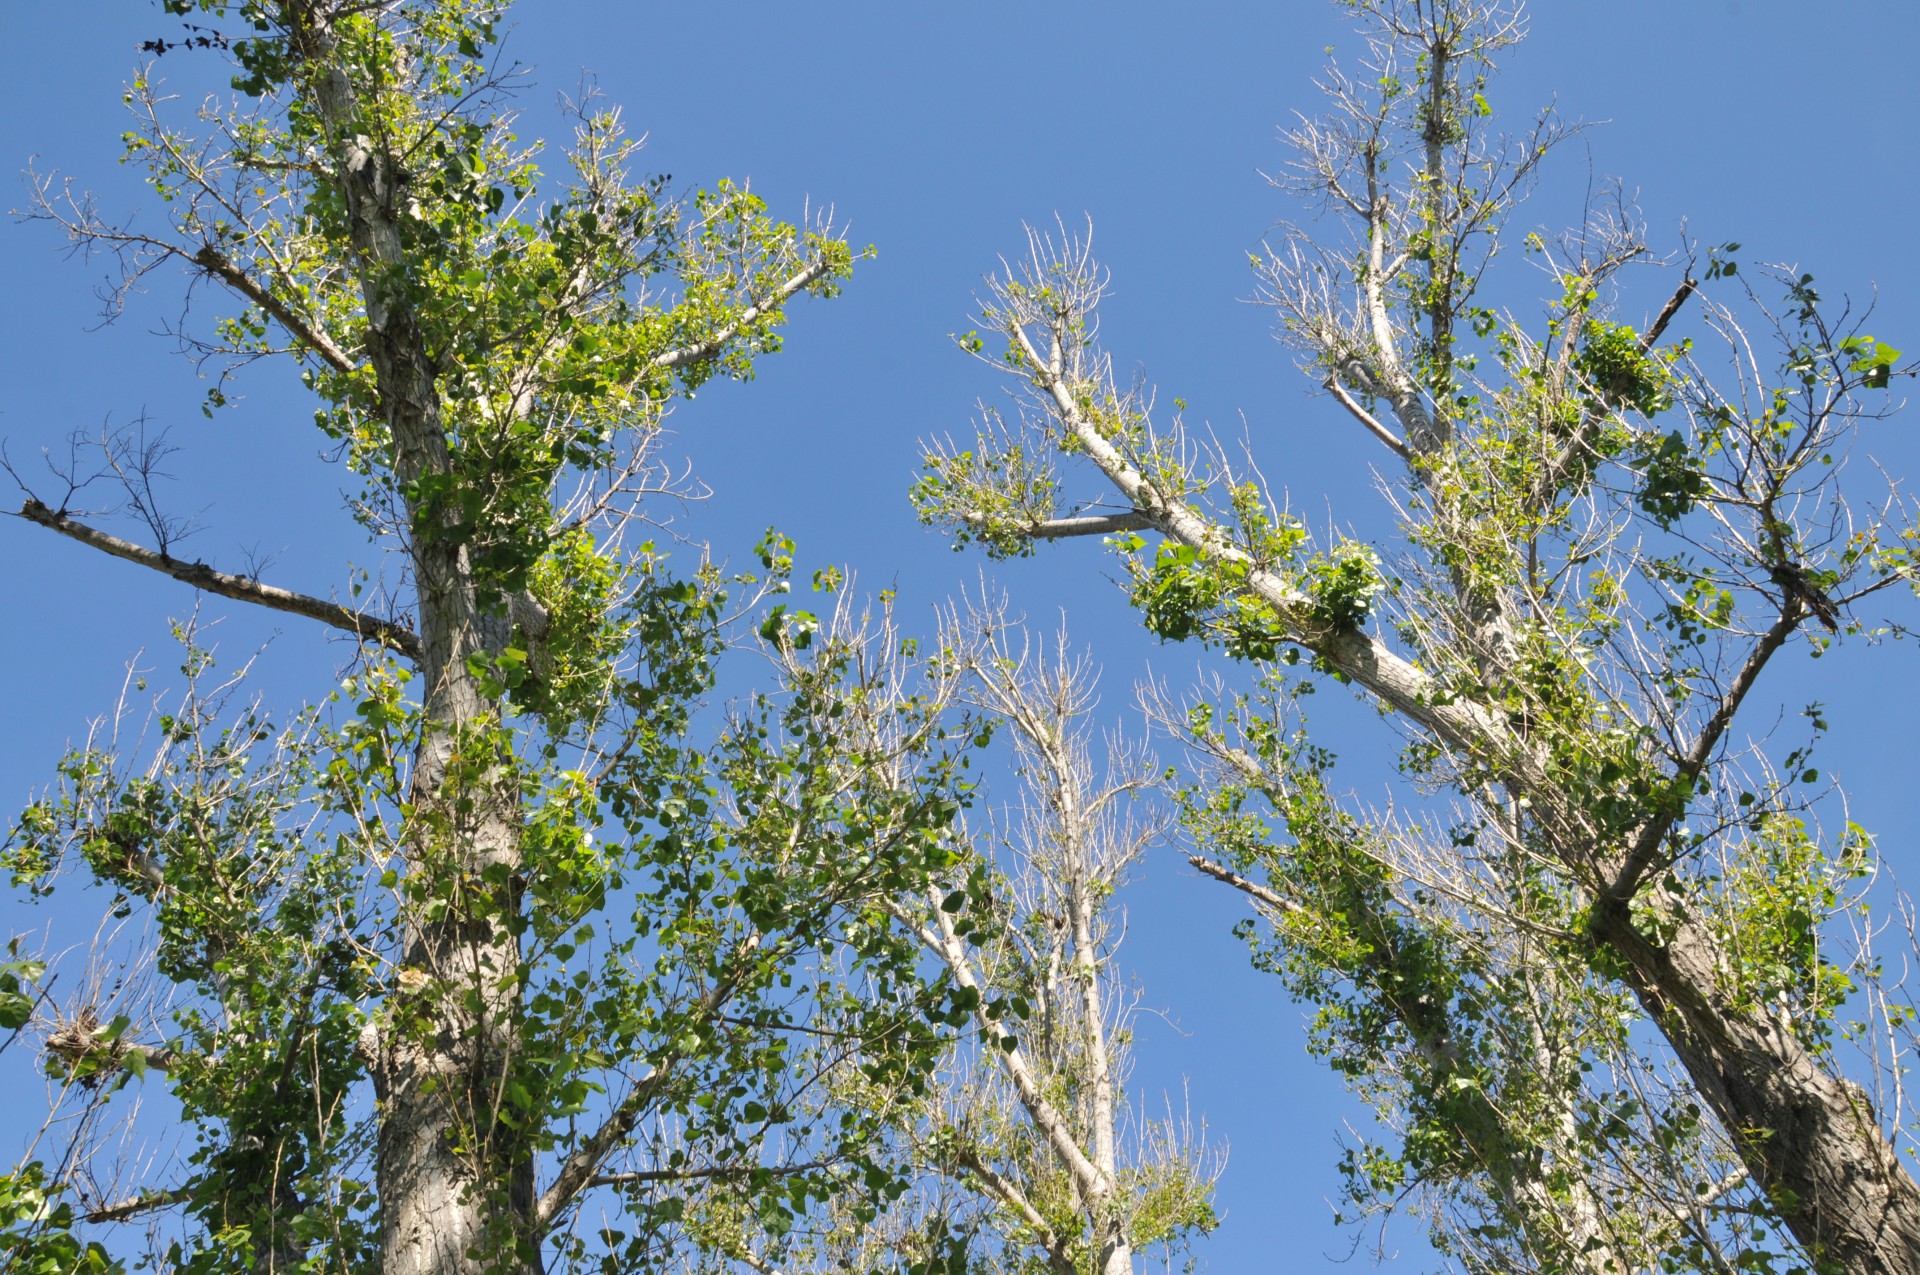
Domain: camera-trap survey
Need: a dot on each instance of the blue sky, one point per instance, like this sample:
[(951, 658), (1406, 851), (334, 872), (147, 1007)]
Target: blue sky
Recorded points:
[(935, 131)]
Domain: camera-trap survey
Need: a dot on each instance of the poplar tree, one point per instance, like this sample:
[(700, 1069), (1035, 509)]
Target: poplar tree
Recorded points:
[(489, 960), (1594, 966)]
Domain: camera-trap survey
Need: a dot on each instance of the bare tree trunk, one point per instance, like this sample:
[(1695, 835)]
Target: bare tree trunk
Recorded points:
[(1808, 1136), (455, 1183)]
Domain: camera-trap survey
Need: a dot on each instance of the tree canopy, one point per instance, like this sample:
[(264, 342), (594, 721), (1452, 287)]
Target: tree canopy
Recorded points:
[(612, 905)]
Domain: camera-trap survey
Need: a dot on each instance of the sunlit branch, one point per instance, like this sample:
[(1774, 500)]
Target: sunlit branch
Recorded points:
[(701, 351), (951, 948), (215, 263), (578, 1173), (241, 589), (1091, 525), (758, 1263), (1080, 525), (1252, 889), (1366, 418)]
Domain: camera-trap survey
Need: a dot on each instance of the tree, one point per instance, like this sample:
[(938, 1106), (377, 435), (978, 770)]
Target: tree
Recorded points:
[(1026, 1152), (1578, 607), (1039, 1121), (492, 931)]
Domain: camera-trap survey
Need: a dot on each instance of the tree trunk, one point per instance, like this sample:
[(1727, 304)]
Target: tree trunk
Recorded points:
[(455, 1184), (1808, 1137)]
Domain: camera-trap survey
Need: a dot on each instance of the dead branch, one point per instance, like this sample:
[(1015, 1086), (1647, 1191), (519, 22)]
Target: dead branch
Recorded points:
[(367, 628)]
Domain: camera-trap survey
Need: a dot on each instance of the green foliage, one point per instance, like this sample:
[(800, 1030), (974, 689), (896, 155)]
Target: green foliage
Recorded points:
[(1343, 586), (691, 907), (18, 976), (36, 1229), (1674, 482), (1619, 372), (1177, 592), (993, 495), (754, 864), (1874, 360), (1580, 605), (584, 594), (1779, 888)]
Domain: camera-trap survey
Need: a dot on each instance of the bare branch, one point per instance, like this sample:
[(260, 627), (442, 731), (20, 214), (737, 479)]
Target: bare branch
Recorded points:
[(201, 576), (1085, 525), (1667, 311), (1252, 889)]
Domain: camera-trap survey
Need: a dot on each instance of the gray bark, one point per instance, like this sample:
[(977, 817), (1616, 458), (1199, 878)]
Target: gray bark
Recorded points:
[(456, 1188), (1809, 1137)]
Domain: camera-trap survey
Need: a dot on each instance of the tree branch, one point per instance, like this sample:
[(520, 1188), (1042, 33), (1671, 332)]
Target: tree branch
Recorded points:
[(366, 627), (577, 1174), (701, 351), (1014, 1198), (1647, 844), (757, 1262), (951, 948), (216, 263), (580, 1168), (1400, 684), (1091, 525), (134, 1205), (1259, 893), (1361, 414), (720, 1172), (1667, 311), (1080, 525)]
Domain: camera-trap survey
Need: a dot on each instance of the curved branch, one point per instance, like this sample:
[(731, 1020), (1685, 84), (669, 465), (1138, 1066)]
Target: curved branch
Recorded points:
[(367, 628)]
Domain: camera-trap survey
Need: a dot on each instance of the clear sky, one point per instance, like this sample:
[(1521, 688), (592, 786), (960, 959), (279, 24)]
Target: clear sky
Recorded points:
[(935, 131)]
